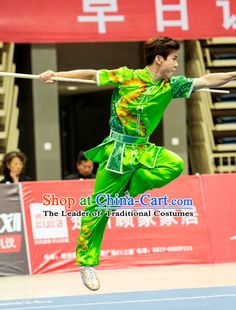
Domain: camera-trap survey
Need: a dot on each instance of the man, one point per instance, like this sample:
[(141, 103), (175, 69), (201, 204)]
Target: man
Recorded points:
[(84, 168), (127, 161)]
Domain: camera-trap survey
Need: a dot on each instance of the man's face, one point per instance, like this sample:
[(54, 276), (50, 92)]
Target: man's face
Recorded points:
[(85, 167), (167, 66)]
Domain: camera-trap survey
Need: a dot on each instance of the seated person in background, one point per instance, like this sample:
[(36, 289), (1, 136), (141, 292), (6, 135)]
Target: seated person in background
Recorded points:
[(84, 167), (13, 165)]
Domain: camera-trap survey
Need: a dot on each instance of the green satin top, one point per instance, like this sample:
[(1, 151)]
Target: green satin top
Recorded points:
[(137, 107)]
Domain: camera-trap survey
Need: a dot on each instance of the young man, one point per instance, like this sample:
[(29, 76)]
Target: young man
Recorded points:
[(84, 168), (127, 161)]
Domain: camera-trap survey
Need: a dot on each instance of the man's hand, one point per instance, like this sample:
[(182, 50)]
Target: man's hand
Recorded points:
[(45, 76), (14, 176)]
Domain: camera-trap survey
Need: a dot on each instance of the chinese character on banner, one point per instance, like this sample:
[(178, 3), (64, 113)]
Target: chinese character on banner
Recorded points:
[(124, 221), (130, 251), (167, 220), (142, 250), (7, 243), (145, 221), (161, 8), (77, 222), (100, 7), (229, 20), (188, 220), (109, 225)]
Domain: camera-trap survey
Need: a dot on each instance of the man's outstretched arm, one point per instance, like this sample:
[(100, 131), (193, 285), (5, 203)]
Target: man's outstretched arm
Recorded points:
[(87, 74), (213, 80)]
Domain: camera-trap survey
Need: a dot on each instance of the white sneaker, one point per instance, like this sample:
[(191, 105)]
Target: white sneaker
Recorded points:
[(89, 278)]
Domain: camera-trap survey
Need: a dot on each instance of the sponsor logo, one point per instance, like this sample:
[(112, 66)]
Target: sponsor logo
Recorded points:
[(48, 229), (10, 222)]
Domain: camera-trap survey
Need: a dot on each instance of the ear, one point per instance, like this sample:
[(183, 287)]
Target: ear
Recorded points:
[(159, 59)]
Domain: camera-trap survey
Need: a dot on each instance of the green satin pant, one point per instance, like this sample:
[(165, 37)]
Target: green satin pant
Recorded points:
[(168, 167)]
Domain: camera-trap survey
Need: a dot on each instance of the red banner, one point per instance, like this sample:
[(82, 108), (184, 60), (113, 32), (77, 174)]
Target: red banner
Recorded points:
[(160, 240), (52, 238), (142, 240), (114, 20), (220, 200)]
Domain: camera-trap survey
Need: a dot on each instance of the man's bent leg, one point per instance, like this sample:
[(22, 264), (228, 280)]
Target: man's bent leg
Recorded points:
[(168, 167)]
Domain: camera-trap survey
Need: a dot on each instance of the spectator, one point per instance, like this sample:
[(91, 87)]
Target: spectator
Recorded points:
[(84, 168), (13, 165)]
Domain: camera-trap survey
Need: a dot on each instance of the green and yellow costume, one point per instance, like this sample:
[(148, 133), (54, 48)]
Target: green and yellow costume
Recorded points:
[(127, 161)]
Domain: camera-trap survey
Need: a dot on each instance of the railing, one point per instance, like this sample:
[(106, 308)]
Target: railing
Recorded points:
[(211, 117)]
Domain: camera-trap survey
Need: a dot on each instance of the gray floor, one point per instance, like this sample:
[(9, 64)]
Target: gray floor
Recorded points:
[(200, 287)]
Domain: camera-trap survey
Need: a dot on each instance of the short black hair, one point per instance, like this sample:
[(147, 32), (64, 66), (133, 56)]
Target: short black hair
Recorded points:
[(162, 46), (81, 157)]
